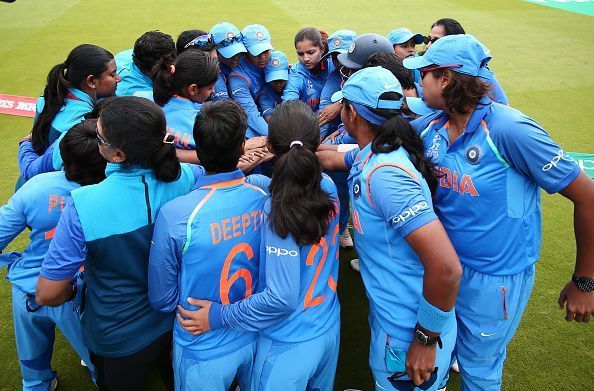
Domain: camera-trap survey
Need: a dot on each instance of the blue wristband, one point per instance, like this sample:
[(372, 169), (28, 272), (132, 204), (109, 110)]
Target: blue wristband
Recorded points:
[(432, 318)]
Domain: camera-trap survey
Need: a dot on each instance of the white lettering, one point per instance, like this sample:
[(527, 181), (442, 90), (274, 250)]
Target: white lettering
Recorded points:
[(555, 160), (25, 106), (281, 252), (410, 212), (6, 104)]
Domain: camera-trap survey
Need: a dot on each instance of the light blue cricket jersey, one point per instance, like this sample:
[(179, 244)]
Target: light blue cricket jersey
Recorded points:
[(488, 198), (180, 114), (297, 298), (246, 83), (390, 199), (133, 80), (108, 227), (268, 100), (37, 205), (303, 85), (123, 59), (206, 245)]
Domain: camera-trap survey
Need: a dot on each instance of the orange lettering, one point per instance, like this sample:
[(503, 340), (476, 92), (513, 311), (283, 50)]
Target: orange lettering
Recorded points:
[(215, 231), (54, 200), (225, 283), (357, 222), (466, 186), (226, 229), (245, 222), (235, 225), (445, 180)]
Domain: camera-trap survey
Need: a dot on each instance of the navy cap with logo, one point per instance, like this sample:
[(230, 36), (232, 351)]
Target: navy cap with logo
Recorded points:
[(363, 48)]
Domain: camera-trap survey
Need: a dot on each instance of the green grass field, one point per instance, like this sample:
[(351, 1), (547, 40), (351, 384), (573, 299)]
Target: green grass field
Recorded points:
[(542, 56)]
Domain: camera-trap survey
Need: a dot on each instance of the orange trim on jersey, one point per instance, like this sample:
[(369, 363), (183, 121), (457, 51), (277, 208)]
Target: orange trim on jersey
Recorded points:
[(249, 83), (332, 284), (222, 184), (254, 187), (484, 124), (410, 173)]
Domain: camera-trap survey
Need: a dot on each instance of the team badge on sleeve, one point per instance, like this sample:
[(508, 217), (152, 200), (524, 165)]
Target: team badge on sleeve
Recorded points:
[(473, 154), (357, 189)]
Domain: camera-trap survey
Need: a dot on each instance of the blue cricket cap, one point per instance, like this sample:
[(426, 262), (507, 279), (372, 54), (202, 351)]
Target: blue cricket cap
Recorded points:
[(402, 35), (418, 106), (364, 90), (277, 67), (256, 39), (462, 51), (227, 39), (341, 41)]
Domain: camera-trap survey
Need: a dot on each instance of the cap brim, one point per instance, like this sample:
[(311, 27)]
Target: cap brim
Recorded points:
[(259, 48), (336, 96), (232, 50), (344, 60), (418, 106), (416, 62), (277, 75)]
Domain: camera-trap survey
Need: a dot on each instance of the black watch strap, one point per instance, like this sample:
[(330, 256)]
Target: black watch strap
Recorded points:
[(584, 284), (423, 338)]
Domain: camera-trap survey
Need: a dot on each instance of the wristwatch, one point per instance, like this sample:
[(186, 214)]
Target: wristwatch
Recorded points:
[(424, 339), (584, 284)]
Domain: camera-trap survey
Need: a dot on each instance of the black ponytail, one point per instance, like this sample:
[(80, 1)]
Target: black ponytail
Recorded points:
[(299, 206), (137, 127), (396, 132), (83, 61), (173, 74), (80, 152)]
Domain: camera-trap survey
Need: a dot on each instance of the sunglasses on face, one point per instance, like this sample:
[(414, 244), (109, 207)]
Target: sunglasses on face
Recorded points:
[(229, 41), (432, 68), (200, 41), (427, 40)]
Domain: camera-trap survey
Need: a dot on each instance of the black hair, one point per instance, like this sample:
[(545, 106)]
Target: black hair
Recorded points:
[(82, 161), (318, 37), (397, 132), (463, 92), (393, 63), (219, 132), (298, 206), (172, 75), (450, 26), (150, 48), (137, 127), (83, 61), (187, 36)]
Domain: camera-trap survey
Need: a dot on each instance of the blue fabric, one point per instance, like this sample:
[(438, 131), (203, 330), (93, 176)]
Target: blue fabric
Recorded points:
[(377, 351), (37, 205), (31, 164), (180, 114), (268, 101), (432, 318), (112, 238), (488, 310), (246, 83), (277, 67), (216, 374), (489, 196), (390, 199), (132, 80), (308, 365), (333, 84), (123, 59), (350, 157), (220, 88), (303, 85), (222, 32), (366, 86), (496, 90), (297, 289), (206, 245), (34, 334)]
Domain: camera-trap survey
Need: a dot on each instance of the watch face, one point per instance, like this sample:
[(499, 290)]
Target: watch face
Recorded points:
[(420, 337)]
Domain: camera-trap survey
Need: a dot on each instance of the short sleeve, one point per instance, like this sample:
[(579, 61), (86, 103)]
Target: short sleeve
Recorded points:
[(400, 200), (68, 249), (350, 156)]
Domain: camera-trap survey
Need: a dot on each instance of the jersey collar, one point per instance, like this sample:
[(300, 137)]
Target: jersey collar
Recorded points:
[(183, 103), (76, 94), (126, 170), (223, 179)]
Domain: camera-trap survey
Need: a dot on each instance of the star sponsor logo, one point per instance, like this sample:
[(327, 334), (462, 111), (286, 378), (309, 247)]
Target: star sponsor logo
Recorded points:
[(473, 154), (410, 212), (561, 155), (281, 252)]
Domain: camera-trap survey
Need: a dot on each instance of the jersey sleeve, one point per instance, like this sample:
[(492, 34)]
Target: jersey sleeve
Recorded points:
[(68, 249), (293, 88), (164, 262), (240, 92), (400, 200), (266, 102), (31, 164), (528, 148), (259, 180), (497, 92), (196, 169), (350, 156), (277, 300), (220, 89), (12, 219)]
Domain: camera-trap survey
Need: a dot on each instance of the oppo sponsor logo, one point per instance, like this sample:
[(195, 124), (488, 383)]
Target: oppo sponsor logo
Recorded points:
[(281, 252), (410, 212), (555, 160)]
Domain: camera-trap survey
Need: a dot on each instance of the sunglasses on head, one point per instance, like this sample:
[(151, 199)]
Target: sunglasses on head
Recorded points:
[(427, 40), (229, 41), (432, 68), (202, 40), (101, 140), (395, 379)]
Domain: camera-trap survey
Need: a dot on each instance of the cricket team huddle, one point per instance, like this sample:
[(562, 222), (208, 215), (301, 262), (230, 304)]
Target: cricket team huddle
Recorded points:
[(187, 202)]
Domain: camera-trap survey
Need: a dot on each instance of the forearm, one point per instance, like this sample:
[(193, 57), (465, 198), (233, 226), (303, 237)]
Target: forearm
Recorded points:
[(187, 156), (584, 229), (54, 293)]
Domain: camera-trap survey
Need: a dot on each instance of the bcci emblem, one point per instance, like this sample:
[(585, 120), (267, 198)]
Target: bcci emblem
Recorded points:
[(337, 42), (473, 154), (352, 47), (259, 35), (229, 35), (275, 62), (357, 189)]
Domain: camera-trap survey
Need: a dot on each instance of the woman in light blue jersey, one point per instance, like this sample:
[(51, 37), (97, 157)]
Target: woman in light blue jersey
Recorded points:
[(38, 206), (493, 161), (180, 87), (108, 228), (296, 310)]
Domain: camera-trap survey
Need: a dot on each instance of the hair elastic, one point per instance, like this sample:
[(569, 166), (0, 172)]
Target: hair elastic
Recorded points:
[(169, 138), (172, 69), (296, 142)]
